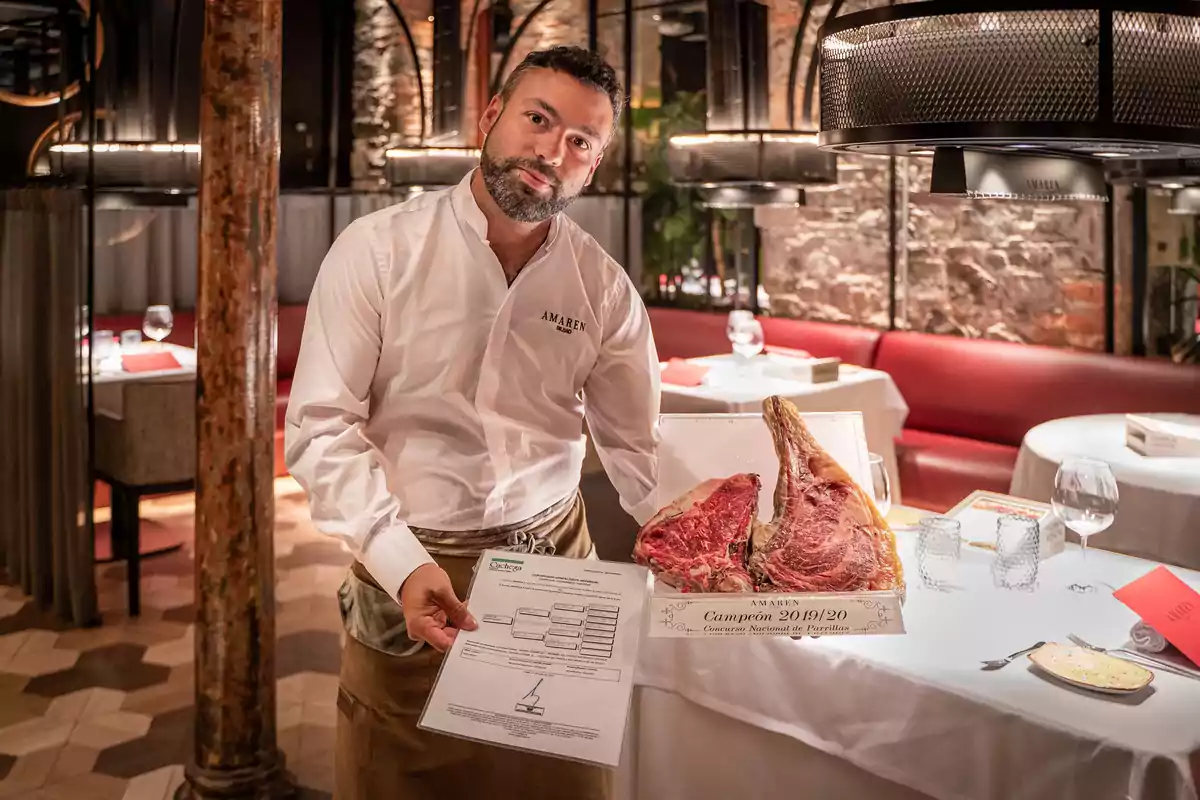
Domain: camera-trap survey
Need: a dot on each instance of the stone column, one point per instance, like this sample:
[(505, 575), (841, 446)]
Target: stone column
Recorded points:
[(235, 748)]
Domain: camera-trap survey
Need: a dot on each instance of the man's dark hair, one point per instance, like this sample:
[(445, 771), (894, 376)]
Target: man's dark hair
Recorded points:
[(583, 65)]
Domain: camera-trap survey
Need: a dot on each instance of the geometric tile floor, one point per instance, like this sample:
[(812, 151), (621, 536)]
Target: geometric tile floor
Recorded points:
[(105, 713)]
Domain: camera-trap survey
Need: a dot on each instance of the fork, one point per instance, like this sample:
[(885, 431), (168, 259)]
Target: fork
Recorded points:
[(1141, 658), (1000, 662)]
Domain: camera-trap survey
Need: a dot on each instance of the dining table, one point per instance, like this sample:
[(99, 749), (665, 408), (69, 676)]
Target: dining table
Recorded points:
[(730, 385), (110, 376), (1158, 509), (916, 715)]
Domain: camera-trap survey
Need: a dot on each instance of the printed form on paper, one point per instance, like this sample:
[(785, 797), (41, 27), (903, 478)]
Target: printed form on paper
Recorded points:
[(550, 668)]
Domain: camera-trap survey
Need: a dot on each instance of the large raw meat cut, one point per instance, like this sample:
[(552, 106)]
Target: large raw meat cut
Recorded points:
[(826, 535), (698, 543)]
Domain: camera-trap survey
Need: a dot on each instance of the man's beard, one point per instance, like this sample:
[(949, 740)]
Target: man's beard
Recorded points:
[(516, 199)]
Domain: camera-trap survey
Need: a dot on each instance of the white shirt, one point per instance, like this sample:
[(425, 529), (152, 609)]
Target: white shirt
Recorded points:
[(429, 392)]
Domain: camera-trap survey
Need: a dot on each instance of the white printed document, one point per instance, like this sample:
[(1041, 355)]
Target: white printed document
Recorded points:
[(550, 668)]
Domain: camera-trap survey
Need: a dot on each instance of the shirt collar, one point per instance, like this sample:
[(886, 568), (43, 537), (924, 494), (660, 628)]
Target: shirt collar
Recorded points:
[(467, 210), (465, 207)]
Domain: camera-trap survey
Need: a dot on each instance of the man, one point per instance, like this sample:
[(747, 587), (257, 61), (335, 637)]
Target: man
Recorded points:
[(454, 346)]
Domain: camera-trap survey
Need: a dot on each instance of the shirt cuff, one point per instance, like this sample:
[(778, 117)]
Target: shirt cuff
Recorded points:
[(392, 556)]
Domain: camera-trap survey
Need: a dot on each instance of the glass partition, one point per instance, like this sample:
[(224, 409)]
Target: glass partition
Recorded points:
[(1172, 279)]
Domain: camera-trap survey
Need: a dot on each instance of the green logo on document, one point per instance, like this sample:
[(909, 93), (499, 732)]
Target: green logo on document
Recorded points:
[(505, 565)]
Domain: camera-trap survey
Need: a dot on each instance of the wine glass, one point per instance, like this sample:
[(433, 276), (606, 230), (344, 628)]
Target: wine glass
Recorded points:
[(745, 334), (738, 318), (157, 323), (1085, 499), (881, 485)]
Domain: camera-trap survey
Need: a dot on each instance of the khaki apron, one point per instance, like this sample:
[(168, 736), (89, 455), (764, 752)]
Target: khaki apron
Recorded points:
[(386, 678)]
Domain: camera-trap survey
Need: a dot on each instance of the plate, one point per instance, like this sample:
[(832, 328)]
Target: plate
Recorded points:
[(1089, 669)]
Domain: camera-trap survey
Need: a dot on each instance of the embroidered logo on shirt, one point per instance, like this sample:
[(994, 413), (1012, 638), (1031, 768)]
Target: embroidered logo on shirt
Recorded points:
[(564, 324)]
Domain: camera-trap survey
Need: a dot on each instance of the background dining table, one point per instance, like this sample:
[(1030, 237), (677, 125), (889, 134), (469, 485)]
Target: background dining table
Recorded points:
[(1158, 513), (728, 387), (109, 380)]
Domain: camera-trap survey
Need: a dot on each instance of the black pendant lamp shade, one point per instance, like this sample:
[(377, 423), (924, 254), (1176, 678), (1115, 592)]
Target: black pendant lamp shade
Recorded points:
[(1095, 80), (740, 162), (173, 167), (751, 195), (1186, 202), (979, 174), (423, 168), (1166, 173)]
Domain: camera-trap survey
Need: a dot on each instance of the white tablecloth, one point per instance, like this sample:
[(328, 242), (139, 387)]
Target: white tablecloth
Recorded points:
[(1158, 516), (869, 391), (913, 715), (109, 381)]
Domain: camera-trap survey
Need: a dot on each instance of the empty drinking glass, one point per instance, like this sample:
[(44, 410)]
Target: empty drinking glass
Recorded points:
[(880, 484), (939, 546), (102, 347), (157, 323), (1017, 545)]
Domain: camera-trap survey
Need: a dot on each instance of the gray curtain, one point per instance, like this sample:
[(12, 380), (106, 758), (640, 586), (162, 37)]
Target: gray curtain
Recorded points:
[(47, 545)]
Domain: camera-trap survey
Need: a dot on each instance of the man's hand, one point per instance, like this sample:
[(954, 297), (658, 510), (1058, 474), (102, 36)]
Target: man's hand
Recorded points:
[(432, 612)]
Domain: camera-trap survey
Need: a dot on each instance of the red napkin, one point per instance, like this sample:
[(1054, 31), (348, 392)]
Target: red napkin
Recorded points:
[(149, 362), (681, 373), (787, 351)]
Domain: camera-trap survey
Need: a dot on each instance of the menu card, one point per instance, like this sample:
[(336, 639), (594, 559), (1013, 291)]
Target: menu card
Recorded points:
[(1168, 605), (980, 512), (805, 370), (1161, 436)]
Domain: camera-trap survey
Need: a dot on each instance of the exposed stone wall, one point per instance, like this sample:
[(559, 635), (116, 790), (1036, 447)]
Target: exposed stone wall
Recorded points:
[(1024, 272), (829, 259), (385, 98), (560, 22), (826, 261), (1028, 272)]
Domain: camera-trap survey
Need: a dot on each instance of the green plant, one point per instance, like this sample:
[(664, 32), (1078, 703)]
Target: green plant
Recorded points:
[(675, 223)]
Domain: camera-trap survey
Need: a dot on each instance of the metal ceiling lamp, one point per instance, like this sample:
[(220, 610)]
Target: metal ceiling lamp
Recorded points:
[(1185, 201), (980, 174), (141, 155), (740, 162), (35, 47), (441, 159), (172, 167), (1163, 173), (1052, 92), (143, 152)]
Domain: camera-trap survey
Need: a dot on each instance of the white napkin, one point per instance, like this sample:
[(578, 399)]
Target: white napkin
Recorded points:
[(1147, 639)]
